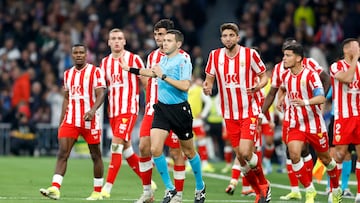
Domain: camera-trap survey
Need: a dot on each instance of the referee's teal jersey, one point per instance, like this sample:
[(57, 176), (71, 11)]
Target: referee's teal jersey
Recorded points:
[(178, 68)]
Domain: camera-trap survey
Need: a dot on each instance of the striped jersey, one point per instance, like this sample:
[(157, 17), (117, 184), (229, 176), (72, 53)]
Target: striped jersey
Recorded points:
[(81, 85), (308, 118), (279, 69), (346, 97), (152, 88), (123, 86), (234, 76)]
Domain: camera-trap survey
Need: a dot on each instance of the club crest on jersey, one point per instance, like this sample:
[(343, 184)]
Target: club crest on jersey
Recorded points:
[(86, 76), (242, 64), (124, 120)]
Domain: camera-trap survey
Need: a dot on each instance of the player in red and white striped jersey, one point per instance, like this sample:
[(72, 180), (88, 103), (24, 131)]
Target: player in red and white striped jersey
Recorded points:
[(160, 29), (275, 85), (305, 92), (240, 73), (123, 105), (345, 78), (84, 88)]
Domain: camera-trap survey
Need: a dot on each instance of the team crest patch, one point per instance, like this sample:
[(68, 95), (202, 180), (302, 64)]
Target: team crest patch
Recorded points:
[(242, 63), (337, 138), (253, 119), (124, 120), (114, 147)]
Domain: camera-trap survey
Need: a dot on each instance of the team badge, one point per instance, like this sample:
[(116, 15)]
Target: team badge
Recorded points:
[(337, 138)]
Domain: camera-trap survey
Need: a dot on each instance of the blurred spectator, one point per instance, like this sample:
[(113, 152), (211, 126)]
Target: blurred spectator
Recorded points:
[(304, 11), (22, 133), (55, 99), (21, 87), (8, 53)]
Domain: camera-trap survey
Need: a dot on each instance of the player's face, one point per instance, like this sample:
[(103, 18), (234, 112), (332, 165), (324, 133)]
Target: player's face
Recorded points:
[(159, 36), (169, 44), (79, 55), (229, 38), (116, 41), (289, 59)]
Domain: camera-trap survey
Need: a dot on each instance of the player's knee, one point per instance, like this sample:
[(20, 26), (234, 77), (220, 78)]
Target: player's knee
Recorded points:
[(156, 151)]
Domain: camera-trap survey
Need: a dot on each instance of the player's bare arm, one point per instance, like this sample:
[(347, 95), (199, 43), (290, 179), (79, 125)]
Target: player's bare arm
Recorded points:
[(263, 81), (64, 106), (280, 99), (313, 101), (100, 96), (325, 80)]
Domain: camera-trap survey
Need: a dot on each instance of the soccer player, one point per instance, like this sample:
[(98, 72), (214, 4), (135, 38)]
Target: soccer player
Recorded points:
[(240, 74), (173, 112), (270, 97), (305, 93), (146, 165), (84, 88), (123, 99), (345, 80)]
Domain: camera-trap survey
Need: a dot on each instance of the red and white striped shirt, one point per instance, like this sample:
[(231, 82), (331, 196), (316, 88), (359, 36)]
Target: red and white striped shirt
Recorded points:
[(305, 118), (151, 90), (123, 86), (234, 76), (346, 97), (279, 69), (81, 85)]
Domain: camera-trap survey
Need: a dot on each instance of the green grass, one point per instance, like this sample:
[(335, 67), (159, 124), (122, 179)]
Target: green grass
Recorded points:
[(22, 177)]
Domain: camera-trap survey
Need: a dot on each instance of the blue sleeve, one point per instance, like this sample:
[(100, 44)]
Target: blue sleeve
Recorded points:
[(318, 92), (329, 94)]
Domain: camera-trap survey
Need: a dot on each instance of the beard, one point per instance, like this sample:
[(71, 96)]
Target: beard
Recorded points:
[(231, 47)]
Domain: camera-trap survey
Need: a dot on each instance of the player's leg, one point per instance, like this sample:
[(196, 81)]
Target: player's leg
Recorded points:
[(96, 157), (296, 140), (121, 127), (67, 136), (145, 160)]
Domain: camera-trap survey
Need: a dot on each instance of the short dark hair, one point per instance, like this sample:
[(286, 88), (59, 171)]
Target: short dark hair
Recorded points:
[(347, 41), (179, 37), (229, 26), (288, 41), (79, 45), (164, 23), (296, 47)]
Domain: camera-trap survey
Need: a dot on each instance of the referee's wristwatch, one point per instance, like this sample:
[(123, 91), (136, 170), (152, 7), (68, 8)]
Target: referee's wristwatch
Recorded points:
[(163, 77)]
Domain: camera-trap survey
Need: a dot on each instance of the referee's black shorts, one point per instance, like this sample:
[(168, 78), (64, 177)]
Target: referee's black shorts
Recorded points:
[(175, 117)]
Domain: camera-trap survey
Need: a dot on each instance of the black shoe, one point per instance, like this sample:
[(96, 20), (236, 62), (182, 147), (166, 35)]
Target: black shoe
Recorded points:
[(169, 194), (200, 196)]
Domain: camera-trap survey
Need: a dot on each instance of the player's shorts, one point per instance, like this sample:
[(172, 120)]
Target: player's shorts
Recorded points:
[(172, 140), (91, 136), (346, 131), (198, 128), (241, 129), (285, 130), (175, 117), (267, 130), (123, 125), (146, 125), (319, 141)]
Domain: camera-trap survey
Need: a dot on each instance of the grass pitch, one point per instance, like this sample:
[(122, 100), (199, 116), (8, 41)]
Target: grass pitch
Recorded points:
[(22, 177)]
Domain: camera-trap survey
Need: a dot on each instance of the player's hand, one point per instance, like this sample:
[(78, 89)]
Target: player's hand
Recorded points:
[(123, 64), (297, 102), (157, 70), (89, 115), (207, 88)]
